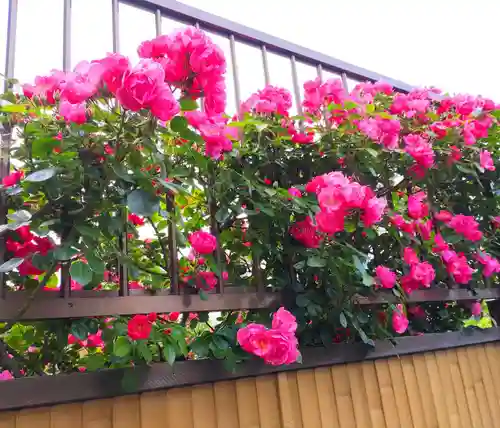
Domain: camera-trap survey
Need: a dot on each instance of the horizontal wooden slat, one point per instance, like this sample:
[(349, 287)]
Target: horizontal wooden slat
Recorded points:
[(48, 390), (49, 304), (76, 307)]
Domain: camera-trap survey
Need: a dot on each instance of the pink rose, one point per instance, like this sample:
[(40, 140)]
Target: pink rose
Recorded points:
[(386, 277), (203, 242), (275, 347), (467, 226), (476, 309), (114, 67), (306, 233), (206, 281), (486, 161), (12, 179), (330, 223), (144, 87), (410, 256), (293, 191), (423, 273), (75, 113), (373, 210), (416, 208), (491, 265), (284, 321), (6, 375), (282, 349), (399, 320)]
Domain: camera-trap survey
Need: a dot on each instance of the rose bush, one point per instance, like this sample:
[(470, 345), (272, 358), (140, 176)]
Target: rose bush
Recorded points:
[(366, 192)]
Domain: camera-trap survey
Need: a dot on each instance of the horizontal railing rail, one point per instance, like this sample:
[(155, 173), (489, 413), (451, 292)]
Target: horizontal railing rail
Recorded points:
[(50, 390)]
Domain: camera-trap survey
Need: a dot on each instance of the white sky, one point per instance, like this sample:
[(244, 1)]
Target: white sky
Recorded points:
[(446, 43)]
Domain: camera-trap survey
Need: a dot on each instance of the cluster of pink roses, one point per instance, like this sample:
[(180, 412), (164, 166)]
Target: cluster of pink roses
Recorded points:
[(192, 63), (338, 196), (186, 59), (277, 345), (270, 100), (422, 274)]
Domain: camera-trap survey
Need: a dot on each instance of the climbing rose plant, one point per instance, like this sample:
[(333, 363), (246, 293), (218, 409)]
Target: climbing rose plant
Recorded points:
[(367, 193)]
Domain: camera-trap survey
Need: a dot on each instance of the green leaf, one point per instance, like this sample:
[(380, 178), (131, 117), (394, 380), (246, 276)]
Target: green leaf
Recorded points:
[(81, 272), (79, 330), (42, 147), (142, 203), (200, 347), (65, 253), (372, 152), (358, 264), (203, 295), (343, 320), (144, 351), (188, 104), (42, 175), (350, 105), (21, 216), (96, 264), (169, 353), (11, 264), (300, 265), (92, 232), (122, 347), (15, 108), (315, 261), (179, 124), (220, 342), (95, 362)]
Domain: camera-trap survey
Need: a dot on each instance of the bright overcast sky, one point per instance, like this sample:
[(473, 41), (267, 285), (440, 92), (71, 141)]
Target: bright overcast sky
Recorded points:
[(450, 44)]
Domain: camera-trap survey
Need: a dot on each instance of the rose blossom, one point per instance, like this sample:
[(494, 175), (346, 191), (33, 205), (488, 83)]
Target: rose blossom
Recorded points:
[(284, 321), (486, 161), (203, 242), (144, 87), (139, 327), (277, 345), (5, 375), (475, 309), (135, 219), (416, 208), (386, 277), (399, 320), (12, 179)]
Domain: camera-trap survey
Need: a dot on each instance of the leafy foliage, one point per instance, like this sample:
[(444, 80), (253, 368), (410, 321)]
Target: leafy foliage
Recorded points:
[(309, 206)]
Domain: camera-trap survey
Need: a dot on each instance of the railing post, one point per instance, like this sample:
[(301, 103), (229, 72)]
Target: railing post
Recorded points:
[(116, 25), (67, 36), (5, 134)]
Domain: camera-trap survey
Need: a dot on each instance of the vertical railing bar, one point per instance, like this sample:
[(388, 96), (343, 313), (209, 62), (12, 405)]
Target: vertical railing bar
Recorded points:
[(296, 86), (343, 76), (115, 6), (6, 130), (214, 229), (172, 246), (236, 80), (158, 22), (65, 290), (265, 64), (11, 39), (67, 36), (122, 267), (319, 70)]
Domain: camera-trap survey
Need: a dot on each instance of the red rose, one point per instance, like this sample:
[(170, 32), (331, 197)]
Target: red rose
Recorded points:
[(139, 327)]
